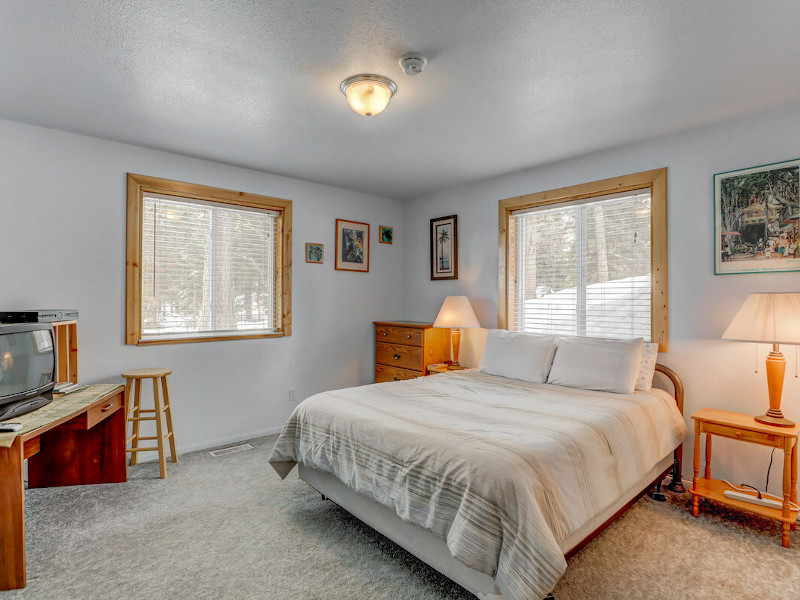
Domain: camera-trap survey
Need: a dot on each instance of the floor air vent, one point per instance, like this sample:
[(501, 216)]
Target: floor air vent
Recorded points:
[(230, 450)]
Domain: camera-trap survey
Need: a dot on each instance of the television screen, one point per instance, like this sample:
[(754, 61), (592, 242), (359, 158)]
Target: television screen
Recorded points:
[(27, 361)]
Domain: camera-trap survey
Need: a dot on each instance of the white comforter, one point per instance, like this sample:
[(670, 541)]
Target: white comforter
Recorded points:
[(500, 469)]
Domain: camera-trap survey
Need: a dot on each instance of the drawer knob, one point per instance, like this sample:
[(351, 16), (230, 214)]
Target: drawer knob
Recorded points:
[(408, 337), (385, 334), (397, 379), (106, 408), (738, 434), (397, 357)]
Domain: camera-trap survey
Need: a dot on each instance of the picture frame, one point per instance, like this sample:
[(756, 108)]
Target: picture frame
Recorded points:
[(352, 246), (315, 253), (385, 234), (756, 213), (444, 248)]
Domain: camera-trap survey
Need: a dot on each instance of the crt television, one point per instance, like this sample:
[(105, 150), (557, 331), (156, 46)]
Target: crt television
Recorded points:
[(27, 368)]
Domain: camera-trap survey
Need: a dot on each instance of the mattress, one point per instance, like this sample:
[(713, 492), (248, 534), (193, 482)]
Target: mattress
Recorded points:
[(502, 471)]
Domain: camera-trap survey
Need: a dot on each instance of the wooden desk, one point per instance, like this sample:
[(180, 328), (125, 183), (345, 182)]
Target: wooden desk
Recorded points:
[(736, 426), (82, 447)]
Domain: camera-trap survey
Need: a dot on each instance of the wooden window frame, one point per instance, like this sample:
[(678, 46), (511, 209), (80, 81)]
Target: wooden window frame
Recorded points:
[(655, 181), (138, 186)]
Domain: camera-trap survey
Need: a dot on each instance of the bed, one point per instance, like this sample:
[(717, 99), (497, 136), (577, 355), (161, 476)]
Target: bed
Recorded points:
[(492, 481)]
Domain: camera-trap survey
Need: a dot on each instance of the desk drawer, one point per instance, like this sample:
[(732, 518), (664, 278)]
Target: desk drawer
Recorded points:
[(103, 410), (743, 434), (396, 355), (398, 335), (385, 373)]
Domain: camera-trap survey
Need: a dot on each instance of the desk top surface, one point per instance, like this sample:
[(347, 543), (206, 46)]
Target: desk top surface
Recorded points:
[(60, 410)]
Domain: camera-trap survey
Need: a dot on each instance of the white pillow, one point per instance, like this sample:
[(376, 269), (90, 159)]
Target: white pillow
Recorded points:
[(597, 364), (647, 367), (518, 355)]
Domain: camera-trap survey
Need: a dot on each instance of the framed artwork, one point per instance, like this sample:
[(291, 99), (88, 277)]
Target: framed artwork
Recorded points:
[(756, 219), (444, 248), (385, 234), (315, 253), (352, 246)]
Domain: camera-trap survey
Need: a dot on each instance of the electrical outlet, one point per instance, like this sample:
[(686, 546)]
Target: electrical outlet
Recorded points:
[(292, 395)]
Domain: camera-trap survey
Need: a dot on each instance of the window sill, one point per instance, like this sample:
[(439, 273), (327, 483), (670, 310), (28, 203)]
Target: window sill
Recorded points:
[(212, 338)]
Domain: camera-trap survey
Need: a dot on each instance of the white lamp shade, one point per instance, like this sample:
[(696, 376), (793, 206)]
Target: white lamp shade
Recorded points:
[(456, 311), (767, 318)]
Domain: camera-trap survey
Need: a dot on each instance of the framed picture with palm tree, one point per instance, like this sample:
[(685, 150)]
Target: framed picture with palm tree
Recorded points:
[(444, 248)]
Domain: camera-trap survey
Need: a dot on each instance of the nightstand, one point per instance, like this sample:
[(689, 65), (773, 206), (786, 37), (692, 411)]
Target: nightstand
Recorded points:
[(736, 426), (404, 348)]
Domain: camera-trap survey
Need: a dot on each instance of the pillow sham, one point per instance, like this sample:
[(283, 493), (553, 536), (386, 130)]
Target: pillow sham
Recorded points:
[(516, 355), (597, 364), (647, 367)]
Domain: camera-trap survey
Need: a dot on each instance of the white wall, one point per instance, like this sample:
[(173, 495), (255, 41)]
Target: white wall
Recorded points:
[(716, 373), (62, 227)]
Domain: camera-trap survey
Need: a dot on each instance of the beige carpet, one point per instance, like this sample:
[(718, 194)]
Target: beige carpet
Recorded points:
[(229, 528)]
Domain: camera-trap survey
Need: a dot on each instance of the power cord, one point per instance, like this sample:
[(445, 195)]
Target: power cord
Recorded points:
[(769, 468)]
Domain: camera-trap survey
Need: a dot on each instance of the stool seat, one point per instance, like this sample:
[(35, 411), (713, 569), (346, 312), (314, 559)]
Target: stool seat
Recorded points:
[(146, 373), (161, 411)]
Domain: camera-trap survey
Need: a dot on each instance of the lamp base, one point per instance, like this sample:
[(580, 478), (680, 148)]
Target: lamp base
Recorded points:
[(776, 421)]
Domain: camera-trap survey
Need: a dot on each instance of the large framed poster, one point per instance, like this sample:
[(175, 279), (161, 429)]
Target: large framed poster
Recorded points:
[(756, 219)]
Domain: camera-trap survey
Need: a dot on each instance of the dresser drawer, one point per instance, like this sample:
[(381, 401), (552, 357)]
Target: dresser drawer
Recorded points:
[(736, 433), (399, 335), (386, 373), (396, 355)]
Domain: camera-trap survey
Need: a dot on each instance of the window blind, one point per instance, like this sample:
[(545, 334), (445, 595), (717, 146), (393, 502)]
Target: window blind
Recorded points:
[(583, 268), (208, 269)]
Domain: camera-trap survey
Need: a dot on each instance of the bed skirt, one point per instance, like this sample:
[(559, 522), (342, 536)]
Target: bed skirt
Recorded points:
[(433, 551)]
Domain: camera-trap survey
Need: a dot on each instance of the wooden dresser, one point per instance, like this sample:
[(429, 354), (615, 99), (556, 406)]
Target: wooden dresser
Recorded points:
[(404, 348)]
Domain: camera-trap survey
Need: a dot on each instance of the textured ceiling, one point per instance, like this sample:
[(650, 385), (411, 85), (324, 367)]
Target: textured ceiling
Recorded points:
[(510, 84)]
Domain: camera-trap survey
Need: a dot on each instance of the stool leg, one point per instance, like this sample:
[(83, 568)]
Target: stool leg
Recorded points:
[(128, 383), (173, 453), (162, 461), (137, 403)]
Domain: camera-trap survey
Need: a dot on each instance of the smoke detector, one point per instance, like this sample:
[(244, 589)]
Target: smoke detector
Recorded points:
[(413, 63)]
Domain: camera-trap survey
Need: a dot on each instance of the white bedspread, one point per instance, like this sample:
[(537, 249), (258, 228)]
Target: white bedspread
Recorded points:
[(500, 469)]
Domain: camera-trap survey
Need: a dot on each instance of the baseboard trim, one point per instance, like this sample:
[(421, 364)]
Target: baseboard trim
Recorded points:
[(153, 455)]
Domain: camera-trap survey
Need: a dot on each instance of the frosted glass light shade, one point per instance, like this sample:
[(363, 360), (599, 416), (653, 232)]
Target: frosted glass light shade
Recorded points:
[(368, 95), (767, 318), (456, 311)]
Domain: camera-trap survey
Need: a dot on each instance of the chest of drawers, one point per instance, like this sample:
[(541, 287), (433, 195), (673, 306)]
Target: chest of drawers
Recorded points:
[(404, 348)]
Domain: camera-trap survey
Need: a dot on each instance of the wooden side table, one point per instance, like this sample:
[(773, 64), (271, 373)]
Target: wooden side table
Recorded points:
[(737, 426)]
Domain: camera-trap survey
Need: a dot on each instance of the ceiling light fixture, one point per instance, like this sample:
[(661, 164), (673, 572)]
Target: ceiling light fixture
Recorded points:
[(368, 94)]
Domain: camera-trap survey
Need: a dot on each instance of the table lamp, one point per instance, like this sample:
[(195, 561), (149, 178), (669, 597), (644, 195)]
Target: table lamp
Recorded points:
[(456, 314), (769, 319)]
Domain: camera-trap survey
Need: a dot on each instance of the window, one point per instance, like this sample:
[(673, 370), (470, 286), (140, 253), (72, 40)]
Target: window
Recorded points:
[(589, 260), (205, 263)]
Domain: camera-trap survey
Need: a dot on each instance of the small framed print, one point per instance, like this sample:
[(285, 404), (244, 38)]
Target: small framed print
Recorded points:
[(385, 234), (756, 219), (352, 246), (315, 253), (444, 248)]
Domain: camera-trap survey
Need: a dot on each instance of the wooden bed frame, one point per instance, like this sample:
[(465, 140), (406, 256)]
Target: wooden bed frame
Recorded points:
[(425, 546), (675, 485)]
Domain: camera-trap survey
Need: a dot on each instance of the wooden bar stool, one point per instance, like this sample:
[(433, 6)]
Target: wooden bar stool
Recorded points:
[(134, 412)]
